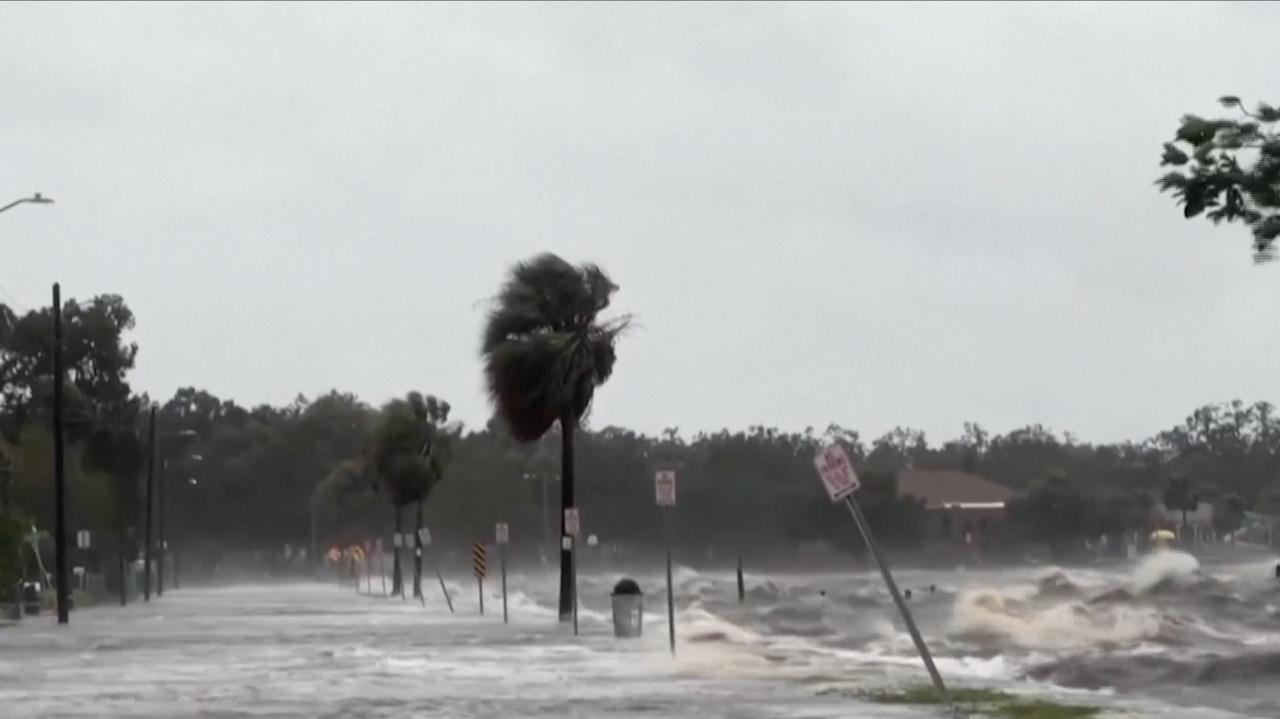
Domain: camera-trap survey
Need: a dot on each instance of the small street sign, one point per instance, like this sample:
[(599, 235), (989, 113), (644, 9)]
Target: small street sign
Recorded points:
[(664, 483), (572, 522), (836, 472), (425, 535), (82, 539), (502, 533)]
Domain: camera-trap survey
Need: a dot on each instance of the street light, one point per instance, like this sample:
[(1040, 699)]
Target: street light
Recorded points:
[(36, 199), (170, 439)]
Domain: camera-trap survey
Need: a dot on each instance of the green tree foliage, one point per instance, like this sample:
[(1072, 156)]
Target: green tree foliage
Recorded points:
[(545, 351), (116, 450), (99, 410), (96, 358), (1228, 514), (544, 346), (257, 479), (408, 453), (1229, 168), (11, 544), (1181, 496), (1053, 512)]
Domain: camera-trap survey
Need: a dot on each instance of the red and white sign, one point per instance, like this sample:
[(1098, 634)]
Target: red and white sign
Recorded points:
[(664, 483), (502, 533), (572, 522), (836, 472)]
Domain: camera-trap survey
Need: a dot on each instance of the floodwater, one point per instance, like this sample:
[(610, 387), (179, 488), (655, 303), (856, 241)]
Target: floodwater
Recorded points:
[(1163, 637)]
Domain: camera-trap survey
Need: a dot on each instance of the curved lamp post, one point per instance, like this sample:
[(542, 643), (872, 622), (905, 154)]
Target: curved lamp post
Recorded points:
[(36, 199)]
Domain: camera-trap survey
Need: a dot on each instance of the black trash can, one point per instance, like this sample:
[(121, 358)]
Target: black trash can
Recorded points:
[(628, 609)]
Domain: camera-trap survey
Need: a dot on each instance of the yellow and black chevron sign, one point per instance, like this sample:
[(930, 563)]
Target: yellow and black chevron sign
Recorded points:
[(479, 560)]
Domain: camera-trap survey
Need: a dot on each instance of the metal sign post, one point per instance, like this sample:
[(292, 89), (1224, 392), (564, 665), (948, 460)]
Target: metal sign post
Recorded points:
[(480, 566), (664, 483), (397, 570), (435, 565), (572, 528), (841, 483), (382, 565), (502, 535), (742, 585)]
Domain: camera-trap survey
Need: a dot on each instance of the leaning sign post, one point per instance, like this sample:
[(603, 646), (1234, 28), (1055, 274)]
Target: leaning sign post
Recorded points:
[(502, 535), (425, 534), (572, 528), (841, 483), (664, 484)]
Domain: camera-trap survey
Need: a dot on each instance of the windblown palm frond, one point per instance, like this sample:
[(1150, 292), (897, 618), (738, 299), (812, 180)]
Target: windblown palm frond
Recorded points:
[(406, 452), (545, 351)]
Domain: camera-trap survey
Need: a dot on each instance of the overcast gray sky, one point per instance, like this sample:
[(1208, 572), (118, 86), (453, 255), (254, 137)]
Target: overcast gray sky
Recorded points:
[(868, 214)]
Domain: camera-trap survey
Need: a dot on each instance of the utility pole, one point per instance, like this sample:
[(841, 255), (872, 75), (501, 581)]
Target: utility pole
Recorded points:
[(59, 476), (161, 545), (151, 483)]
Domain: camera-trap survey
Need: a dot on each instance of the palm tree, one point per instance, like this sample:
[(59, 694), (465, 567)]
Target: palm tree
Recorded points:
[(545, 351), (408, 455), (1180, 495)]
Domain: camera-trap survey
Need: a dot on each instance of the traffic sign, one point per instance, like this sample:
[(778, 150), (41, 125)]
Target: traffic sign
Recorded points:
[(479, 560), (664, 483), (425, 535), (397, 539), (502, 533), (82, 539), (572, 522), (836, 472), (593, 540)]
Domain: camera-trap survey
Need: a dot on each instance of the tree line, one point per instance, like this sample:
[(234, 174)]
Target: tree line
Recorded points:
[(337, 469)]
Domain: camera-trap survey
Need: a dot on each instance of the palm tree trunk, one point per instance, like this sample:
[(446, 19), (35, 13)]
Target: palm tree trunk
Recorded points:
[(397, 585), (417, 554), (568, 423)]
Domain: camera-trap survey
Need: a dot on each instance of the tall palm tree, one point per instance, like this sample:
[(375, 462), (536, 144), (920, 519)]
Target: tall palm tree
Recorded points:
[(545, 351), (408, 458)]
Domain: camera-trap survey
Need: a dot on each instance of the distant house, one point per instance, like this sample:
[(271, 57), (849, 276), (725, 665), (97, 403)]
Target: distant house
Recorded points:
[(962, 507)]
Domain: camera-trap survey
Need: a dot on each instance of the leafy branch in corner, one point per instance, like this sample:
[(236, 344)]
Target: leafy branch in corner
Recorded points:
[(1230, 170)]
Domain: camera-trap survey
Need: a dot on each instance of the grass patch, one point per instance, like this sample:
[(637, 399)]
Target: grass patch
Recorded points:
[(988, 702), (1040, 709)]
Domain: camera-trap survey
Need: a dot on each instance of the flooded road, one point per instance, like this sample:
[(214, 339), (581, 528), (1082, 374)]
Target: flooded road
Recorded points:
[(800, 647)]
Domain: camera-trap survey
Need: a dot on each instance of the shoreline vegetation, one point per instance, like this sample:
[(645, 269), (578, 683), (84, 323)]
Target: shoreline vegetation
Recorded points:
[(978, 702)]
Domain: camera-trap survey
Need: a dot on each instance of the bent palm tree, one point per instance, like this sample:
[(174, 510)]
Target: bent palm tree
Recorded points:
[(408, 454), (545, 352)]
